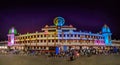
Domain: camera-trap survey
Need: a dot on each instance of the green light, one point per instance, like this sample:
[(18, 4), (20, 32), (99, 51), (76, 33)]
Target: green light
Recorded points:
[(12, 30), (59, 21)]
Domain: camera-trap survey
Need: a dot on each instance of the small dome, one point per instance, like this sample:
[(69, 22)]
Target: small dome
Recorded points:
[(46, 25), (70, 25), (105, 29), (12, 31)]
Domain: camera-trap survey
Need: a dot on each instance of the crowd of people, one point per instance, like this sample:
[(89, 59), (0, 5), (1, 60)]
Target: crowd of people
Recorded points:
[(71, 53), (76, 53)]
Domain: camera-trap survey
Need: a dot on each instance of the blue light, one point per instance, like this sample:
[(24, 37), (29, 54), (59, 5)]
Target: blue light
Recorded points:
[(64, 48), (106, 34), (105, 29), (59, 21), (57, 50)]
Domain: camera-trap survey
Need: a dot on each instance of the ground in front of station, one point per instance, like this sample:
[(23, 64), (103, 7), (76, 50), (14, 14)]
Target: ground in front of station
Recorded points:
[(43, 60)]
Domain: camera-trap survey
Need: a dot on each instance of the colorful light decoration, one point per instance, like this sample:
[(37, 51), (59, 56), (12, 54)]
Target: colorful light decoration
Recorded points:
[(11, 36), (57, 50), (10, 39), (59, 21), (106, 34), (13, 30), (98, 42)]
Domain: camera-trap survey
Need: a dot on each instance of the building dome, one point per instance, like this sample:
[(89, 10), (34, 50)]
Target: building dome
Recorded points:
[(12, 31), (59, 21), (105, 29)]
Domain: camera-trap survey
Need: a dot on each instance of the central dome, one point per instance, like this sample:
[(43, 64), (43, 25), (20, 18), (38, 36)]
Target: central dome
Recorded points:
[(59, 21)]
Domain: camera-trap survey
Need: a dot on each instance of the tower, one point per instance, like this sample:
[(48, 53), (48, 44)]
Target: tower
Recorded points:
[(11, 36), (106, 33)]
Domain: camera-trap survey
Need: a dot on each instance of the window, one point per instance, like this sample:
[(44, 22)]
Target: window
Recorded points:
[(85, 36), (48, 35), (31, 36), (37, 41), (65, 30), (64, 35), (31, 41), (89, 36), (34, 41), (44, 40), (48, 40), (41, 35), (52, 40), (75, 35), (44, 35), (34, 36), (56, 40), (23, 37), (52, 35), (95, 37), (102, 37), (60, 35), (67, 35), (80, 40), (41, 40), (98, 37), (26, 37), (60, 40), (37, 35), (28, 41)]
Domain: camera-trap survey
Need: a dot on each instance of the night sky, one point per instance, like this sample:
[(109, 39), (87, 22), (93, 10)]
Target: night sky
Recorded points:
[(31, 16)]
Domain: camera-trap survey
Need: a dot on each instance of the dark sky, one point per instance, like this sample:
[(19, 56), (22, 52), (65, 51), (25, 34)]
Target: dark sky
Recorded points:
[(31, 16)]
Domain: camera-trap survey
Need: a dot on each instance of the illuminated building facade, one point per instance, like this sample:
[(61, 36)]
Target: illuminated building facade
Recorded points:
[(64, 36), (3, 45)]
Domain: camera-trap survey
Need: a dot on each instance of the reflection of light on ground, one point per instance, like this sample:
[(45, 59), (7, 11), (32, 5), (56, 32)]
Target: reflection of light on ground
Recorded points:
[(43, 60)]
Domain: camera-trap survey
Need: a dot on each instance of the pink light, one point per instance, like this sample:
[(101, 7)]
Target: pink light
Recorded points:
[(10, 39), (101, 42), (9, 44), (12, 30), (95, 41), (46, 32), (98, 42)]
